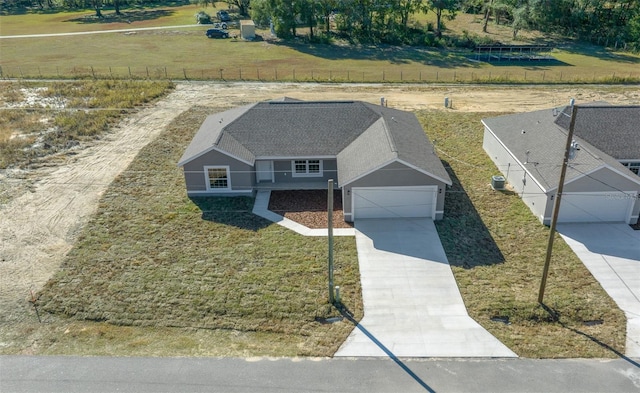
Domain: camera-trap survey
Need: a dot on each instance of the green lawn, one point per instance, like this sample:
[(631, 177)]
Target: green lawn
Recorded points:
[(75, 21), (152, 258), (185, 53), (157, 274), (497, 247)]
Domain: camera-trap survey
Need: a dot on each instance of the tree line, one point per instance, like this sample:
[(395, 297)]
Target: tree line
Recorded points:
[(613, 23)]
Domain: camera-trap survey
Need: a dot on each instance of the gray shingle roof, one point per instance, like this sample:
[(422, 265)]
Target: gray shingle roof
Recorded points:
[(210, 134), (376, 142), (614, 130), (538, 139), (361, 135), (296, 129)]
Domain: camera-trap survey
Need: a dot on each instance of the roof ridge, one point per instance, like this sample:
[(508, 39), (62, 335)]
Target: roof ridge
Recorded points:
[(245, 109), (383, 118), (387, 132)]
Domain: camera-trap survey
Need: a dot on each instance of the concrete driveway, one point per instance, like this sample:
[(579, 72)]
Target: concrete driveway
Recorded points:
[(412, 305), (611, 252)]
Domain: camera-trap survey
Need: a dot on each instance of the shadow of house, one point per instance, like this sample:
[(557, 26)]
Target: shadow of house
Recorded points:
[(464, 236), (615, 239), (234, 211), (416, 238)]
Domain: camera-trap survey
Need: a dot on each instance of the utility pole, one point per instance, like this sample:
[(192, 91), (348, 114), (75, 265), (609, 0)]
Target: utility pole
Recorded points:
[(556, 205), (330, 236)]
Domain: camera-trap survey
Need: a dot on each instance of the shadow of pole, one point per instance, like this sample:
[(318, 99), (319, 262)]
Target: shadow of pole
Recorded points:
[(556, 318), (348, 315)]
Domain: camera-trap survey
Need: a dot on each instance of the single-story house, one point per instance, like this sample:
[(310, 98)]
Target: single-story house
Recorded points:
[(379, 157), (602, 182)]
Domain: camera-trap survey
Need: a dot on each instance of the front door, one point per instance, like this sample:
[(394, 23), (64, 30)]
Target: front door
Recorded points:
[(264, 171)]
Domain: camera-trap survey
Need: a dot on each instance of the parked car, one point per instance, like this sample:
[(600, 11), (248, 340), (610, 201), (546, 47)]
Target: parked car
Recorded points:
[(223, 16), (217, 33)]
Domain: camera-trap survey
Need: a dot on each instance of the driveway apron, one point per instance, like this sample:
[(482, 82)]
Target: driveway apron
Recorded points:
[(611, 252), (412, 305)]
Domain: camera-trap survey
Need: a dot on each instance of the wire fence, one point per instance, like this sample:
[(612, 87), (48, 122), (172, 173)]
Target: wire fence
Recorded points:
[(265, 74)]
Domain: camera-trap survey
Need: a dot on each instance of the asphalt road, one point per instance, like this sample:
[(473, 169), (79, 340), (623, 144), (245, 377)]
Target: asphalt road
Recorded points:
[(104, 374)]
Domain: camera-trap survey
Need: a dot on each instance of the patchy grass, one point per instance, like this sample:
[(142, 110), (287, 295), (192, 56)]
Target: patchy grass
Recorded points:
[(496, 248), (41, 119), (158, 274), (152, 258)]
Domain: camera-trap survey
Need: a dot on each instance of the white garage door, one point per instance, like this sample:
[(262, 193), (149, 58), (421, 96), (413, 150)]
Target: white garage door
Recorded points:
[(390, 202), (596, 207)]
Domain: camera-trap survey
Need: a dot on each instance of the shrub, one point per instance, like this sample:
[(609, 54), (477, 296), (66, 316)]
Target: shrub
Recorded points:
[(203, 18)]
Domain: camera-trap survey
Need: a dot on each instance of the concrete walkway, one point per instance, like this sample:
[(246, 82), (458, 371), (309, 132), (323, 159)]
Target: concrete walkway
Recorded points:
[(412, 305), (611, 252), (261, 208)]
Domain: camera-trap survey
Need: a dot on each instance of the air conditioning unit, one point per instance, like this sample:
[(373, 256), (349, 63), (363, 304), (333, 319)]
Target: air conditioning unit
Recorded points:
[(497, 182)]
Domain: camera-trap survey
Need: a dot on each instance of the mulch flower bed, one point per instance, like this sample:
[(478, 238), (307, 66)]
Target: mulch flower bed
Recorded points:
[(308, 207)]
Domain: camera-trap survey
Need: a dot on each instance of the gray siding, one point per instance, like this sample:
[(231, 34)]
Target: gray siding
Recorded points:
[(538, 200), (603, 179), (531, 193), (394, 175), (242, 175), (606, 180), (283, 172)]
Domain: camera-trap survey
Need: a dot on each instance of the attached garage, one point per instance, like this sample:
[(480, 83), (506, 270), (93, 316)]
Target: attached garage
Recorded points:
[(528, 148), (597, 207), (393, 202)]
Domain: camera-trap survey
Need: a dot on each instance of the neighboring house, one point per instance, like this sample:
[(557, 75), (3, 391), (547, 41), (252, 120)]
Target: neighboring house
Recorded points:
[(601, 183), (379, 157)]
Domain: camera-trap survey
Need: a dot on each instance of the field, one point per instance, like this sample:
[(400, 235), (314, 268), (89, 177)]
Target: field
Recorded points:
[(183, 53), (146, 271), (103, 254)]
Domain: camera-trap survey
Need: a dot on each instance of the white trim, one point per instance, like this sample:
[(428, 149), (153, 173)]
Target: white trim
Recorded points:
[(425, 172), (630, 195), (368, 173), (433, 189), (520, 164), (320, 173), (271, 171), (287, 158), (213, 148), (360, 176), (205, 193), (207, 180), (553, 188), (607, 166)]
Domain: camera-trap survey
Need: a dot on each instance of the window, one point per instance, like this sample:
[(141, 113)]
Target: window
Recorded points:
[(633, 166), (306, 168), (218, 178)]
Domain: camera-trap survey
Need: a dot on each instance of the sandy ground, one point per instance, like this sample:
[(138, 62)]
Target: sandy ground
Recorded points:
[(41, 222)]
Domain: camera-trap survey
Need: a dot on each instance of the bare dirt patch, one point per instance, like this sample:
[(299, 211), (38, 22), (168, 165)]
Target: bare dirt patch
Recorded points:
[(308, 207), (41, 222)]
